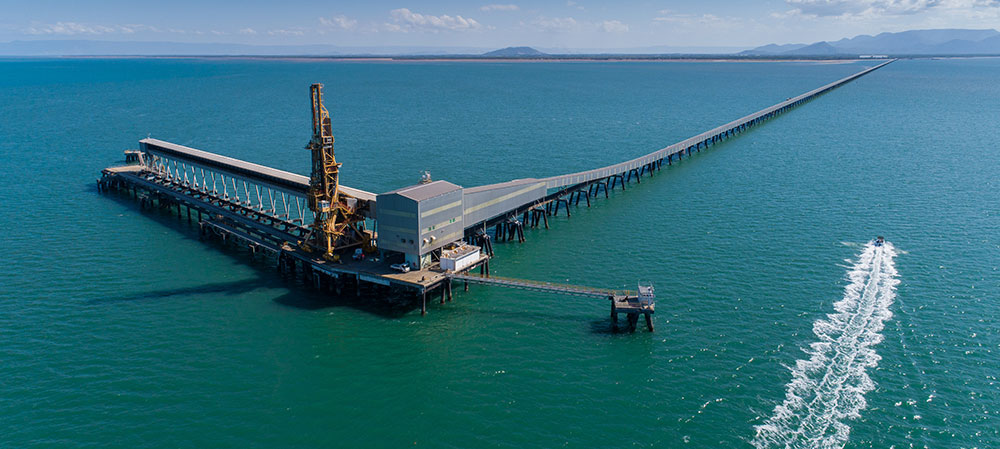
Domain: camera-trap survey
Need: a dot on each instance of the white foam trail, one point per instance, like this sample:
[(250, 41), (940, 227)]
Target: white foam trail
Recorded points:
[(829, 388)]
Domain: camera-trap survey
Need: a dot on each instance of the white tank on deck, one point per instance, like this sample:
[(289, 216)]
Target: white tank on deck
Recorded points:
[(458, 256)]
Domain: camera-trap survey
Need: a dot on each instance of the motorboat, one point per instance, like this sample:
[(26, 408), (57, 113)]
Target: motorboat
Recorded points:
[(879, 241)]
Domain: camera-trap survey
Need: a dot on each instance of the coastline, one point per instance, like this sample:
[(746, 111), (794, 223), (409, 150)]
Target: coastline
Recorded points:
[(547, 59), (609, 58)]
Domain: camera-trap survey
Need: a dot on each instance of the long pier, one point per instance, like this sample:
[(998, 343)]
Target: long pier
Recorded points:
[(264, 209), (702, 140), (561, 190)]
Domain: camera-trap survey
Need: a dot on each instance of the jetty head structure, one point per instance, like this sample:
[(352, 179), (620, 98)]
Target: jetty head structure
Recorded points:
[(418, 239)]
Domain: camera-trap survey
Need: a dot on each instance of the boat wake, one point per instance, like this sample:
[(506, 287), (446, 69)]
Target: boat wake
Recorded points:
[(829, 387)]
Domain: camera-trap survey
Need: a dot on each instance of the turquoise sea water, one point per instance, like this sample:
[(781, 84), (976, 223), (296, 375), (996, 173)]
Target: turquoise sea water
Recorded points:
[(119, 328)]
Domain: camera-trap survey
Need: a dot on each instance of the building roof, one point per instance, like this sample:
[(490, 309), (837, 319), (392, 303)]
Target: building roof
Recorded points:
[(501, 185), (279, 177), (421, 192)]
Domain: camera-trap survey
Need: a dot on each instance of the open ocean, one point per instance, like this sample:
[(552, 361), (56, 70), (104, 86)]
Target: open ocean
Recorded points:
[(778, 324)]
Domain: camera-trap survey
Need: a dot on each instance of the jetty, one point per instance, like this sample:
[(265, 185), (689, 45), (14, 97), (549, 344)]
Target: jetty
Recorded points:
[(417, 239)]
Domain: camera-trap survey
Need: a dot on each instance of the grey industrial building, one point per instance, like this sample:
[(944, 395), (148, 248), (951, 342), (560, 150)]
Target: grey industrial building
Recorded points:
[(419, 219)]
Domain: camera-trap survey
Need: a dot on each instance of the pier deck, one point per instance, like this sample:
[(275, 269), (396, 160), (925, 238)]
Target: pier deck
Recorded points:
[(265, 209), (231, 219)]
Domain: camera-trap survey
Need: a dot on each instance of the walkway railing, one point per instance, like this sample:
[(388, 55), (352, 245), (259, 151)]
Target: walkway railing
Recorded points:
[(541, 286)]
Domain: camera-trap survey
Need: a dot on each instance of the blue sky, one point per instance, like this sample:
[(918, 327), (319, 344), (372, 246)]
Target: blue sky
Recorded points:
[(489, 24)]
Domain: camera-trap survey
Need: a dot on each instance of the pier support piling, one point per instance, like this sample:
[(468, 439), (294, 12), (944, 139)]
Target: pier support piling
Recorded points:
[(633, 319)]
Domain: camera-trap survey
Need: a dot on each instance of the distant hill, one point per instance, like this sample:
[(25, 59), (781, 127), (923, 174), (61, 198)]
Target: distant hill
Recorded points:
[(915, 42), (514, 52), (817, 49), (774, 49)]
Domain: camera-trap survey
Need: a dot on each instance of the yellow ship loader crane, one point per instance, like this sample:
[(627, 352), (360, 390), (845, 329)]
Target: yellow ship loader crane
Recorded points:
[(337, 225)]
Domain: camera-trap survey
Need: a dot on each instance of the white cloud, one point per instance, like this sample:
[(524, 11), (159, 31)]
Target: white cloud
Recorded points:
[(571, 25), (613, 26), (405, 20), (284, 32), (341, 22), (556, 24), (76, 28), (691, 20), (860, 8), (496, 7), (849, 9), (248, 31), (69, 28), (963, 4)]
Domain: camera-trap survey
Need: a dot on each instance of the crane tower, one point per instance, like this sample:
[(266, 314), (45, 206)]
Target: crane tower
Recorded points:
[(336, 224)]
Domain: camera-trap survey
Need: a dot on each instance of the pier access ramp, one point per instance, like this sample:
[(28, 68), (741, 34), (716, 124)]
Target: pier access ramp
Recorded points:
[(485, 202)]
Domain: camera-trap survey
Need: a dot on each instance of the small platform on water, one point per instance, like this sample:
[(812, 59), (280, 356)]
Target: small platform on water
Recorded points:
[(632, 307)]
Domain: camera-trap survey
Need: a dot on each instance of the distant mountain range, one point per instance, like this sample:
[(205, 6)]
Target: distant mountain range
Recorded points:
[(68, 47), (916, 42)]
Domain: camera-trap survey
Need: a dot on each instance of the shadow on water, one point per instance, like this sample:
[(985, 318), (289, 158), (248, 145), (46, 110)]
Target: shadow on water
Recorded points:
[(299, 295), (384, 306), (224, 288), (603, 327), (519, 314), (599, 326)]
